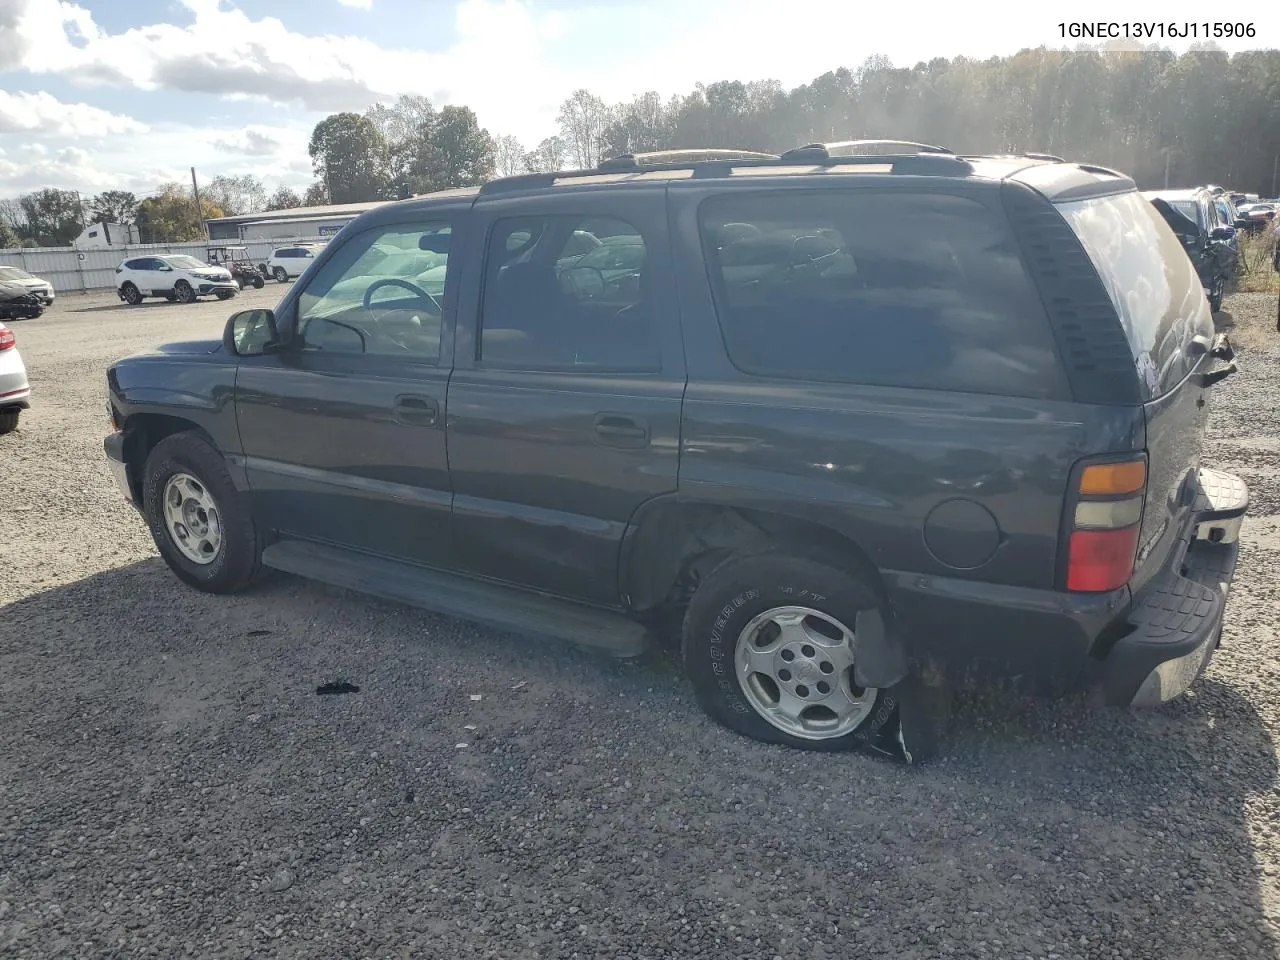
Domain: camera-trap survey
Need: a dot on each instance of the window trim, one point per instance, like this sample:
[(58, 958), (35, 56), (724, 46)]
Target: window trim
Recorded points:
[(719, 296), (578, 215)]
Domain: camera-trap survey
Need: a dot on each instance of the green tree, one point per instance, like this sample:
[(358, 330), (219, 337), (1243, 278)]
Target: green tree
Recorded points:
[(315, 196), (584, 120), (171, 215), (456, 152), (351, 158), (114, 206), (54, 217)]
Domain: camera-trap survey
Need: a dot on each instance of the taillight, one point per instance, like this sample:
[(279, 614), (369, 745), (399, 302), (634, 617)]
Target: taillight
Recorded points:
[(1106, 515), (7, 339)]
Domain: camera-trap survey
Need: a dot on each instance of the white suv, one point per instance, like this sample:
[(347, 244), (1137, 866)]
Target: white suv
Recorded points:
[(286, 263), (174, 276)]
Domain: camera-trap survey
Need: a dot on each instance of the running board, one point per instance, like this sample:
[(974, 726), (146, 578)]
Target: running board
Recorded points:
[(479, 601)]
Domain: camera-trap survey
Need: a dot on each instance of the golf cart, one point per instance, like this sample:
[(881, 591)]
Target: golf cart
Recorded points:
[(236, 261)]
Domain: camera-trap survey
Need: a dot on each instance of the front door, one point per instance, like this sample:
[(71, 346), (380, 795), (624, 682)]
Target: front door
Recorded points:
[(343, 434), (564, 406)]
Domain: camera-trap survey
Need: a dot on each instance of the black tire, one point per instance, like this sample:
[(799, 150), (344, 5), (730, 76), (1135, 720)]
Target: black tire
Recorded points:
[(259, 283), (739, 590), (184, 292), (225, 294), (1217, 293), (9, 421), (132, 295), (280, 275), (238, 560)]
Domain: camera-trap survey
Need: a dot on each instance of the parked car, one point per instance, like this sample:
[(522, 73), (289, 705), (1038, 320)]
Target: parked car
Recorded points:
[(15, 391), (1210, 244), (861, 440), (18, 301), (40, 287), (288, 263), (1257, 216), (174, 276)]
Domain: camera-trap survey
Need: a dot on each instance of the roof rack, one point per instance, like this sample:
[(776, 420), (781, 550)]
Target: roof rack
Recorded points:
[(633, 161), (919, 164), (861, 148)]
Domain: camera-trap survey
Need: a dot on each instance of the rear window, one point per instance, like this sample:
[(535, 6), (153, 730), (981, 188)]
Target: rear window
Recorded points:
[(1151, 280), (921, 290)]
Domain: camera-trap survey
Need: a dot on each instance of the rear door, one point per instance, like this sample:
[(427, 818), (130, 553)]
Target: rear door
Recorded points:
[(564, 404), (1168, 326)]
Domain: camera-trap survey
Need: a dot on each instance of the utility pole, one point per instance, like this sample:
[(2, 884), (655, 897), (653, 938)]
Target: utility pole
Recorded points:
[(195, 190), (1275, 163), (1166, 168)]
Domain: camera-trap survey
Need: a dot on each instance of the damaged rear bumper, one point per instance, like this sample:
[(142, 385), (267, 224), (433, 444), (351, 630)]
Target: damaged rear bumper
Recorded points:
[(1175, 624)]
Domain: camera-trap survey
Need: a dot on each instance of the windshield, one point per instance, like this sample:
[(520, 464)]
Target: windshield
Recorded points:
[(13, 273), (1185, 207), (183, 262)]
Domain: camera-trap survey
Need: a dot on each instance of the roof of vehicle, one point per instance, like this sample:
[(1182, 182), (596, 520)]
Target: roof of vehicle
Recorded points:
[(1182, 193)]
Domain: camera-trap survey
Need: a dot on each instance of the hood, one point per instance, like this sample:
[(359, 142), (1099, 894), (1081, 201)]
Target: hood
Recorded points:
[(13, 289)]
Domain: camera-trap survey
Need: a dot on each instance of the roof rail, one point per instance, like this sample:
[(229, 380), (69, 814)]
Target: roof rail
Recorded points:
[(1044, 156), (860, 148), (632, 161)]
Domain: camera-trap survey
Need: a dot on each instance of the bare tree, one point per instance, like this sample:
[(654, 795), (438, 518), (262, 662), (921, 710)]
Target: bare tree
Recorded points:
[(509, 154), (584, 119), (547, 156)]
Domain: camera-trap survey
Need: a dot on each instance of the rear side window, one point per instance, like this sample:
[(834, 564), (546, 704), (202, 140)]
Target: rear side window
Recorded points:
[(1151, 280), (899, 289)]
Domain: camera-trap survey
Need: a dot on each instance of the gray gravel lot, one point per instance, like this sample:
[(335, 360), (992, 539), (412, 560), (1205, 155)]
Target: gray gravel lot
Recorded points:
[(171, 786)]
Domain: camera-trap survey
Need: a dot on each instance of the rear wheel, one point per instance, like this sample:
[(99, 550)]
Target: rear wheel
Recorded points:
[(280, 275), (9, 421), (132, 295), (200, 523), (184, 292), (259, 283), (769, 646)]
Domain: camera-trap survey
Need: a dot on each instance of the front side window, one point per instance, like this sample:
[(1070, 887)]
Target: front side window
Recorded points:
[(552, 302), (891, 288), (381, 294)]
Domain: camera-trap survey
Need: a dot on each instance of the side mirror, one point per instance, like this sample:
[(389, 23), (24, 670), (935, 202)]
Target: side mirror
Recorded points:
[(1222, 233), (251, 333)]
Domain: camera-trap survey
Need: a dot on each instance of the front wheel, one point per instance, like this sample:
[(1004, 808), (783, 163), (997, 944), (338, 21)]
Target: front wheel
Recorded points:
[(225, 294), (132, 295), (9, 421), (200, 523), (769, 646)]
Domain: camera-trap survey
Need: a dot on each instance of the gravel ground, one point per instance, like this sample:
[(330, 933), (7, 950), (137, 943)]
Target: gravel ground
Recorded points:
[(171, 785)]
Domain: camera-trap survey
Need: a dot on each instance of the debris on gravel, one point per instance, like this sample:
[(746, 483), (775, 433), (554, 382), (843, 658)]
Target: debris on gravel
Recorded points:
[(171, 785)]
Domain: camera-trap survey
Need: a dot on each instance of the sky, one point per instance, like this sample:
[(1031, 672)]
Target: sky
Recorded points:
[(129, 94)]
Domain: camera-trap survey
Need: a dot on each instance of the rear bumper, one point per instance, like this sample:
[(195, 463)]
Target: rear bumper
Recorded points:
[(1134, 650)]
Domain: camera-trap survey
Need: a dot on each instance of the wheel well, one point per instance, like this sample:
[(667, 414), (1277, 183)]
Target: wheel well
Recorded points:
[(677, 544), (143, 431)]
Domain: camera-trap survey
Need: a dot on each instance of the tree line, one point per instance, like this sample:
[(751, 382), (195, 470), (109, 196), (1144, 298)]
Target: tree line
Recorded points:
[(1199, 117)]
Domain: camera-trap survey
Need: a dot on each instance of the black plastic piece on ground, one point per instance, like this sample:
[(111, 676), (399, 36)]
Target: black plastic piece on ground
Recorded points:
[(335, 688)]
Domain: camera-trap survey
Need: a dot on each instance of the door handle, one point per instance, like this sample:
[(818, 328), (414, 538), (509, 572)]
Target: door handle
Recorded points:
[(414, 410), (610, 426)]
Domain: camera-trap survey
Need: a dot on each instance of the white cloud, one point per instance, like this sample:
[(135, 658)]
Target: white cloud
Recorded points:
[(250, 142), (358, 4), (41, 114)]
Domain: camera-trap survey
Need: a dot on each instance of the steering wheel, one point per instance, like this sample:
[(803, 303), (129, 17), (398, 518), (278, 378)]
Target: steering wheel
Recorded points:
[(403, 284)]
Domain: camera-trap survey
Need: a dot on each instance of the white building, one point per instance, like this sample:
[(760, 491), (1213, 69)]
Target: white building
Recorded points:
[(99, 236)]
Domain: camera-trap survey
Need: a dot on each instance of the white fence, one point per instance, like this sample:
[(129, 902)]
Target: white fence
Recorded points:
[(73, 271)]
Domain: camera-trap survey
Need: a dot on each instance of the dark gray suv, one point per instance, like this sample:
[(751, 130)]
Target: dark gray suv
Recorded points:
[(861, 428)]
